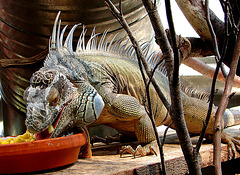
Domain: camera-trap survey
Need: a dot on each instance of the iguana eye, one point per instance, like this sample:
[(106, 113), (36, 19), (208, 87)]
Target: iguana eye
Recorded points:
[(53, 98)]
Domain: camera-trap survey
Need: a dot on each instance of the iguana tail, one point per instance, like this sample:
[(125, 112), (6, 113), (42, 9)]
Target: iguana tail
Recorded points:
[(231, 117)]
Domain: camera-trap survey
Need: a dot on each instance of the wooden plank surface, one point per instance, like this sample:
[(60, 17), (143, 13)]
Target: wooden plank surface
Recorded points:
[(106, 159)]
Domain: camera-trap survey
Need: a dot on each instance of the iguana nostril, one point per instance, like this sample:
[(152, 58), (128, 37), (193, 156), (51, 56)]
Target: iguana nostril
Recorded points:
[(43, 112)]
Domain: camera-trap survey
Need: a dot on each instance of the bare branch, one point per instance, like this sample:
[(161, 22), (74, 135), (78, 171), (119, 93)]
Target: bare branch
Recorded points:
[(214, 38), (200, 48), (165, 132), (223, 104), (207, 70), (193, 11), (205, 124), (141, 60), (154, 69), (178, 120), (136, 45)]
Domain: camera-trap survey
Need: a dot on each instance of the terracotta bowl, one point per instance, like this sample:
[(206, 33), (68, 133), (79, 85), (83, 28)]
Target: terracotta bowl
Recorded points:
[(41, 154)]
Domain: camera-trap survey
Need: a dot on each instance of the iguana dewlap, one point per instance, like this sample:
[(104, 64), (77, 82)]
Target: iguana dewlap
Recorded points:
[(101, 83)]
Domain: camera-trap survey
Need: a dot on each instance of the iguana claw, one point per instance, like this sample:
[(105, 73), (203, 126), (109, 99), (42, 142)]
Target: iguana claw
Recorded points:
[(142, 151), (233, 143), (127, 149)]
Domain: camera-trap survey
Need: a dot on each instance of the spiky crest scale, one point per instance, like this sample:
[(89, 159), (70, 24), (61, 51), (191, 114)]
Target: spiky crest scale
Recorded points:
[(196, 93), (106, 46)]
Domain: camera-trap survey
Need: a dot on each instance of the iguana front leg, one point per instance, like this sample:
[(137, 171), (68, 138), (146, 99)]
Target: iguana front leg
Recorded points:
[(128, 108), (146, 137)]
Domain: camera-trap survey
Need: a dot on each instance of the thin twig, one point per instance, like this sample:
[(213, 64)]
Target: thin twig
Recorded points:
[(219, 62), (223, 104), (179, 122), (205, 124), (160, 145), (214, 38), (230, 28), (120, 8), (225, 98), (210, 106), (154, 70), (226, 38), (217, 155), (165, 132), (142, 60)]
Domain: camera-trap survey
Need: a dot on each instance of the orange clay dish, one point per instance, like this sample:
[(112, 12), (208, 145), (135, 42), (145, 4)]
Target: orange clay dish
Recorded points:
[(30, 156)]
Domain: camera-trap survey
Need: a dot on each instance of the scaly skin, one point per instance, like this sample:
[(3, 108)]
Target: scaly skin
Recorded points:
[(109, 78)]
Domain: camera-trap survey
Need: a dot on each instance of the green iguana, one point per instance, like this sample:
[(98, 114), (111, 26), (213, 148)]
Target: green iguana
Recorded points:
[(101, 83)]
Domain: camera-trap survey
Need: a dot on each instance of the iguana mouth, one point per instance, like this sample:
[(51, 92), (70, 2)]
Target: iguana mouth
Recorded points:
[(90, 111), (49, 131)]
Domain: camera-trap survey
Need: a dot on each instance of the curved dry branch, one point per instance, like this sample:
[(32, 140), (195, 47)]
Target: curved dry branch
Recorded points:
[(195, 14), (208, 71)]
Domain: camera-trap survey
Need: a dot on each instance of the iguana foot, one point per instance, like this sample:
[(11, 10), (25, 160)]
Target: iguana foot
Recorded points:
[(233, 143), (149, 149)]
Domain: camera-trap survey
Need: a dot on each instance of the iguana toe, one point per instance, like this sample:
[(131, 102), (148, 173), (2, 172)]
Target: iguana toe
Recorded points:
[(127, 149), (233, 143), (139, 151), (144, 151)]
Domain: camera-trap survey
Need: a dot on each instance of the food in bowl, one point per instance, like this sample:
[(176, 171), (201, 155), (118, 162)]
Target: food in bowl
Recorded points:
[(26, 137)]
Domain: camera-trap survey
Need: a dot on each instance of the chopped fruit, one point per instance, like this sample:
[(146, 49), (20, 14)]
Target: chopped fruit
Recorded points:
[(50, 129), (26, 137)]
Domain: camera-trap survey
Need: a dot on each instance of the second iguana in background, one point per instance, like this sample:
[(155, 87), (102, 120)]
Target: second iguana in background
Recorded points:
[(101, 83)]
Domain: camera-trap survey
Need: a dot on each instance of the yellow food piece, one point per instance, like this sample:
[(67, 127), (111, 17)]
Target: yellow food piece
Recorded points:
[(5, 142), (50, 129), (26, 137)]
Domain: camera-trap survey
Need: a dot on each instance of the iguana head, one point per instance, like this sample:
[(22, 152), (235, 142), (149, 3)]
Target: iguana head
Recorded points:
[(55, 105), (60, 97)]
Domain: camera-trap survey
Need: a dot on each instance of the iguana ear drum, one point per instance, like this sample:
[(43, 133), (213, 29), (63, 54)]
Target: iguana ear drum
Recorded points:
[(93, 109), (98, 105)]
